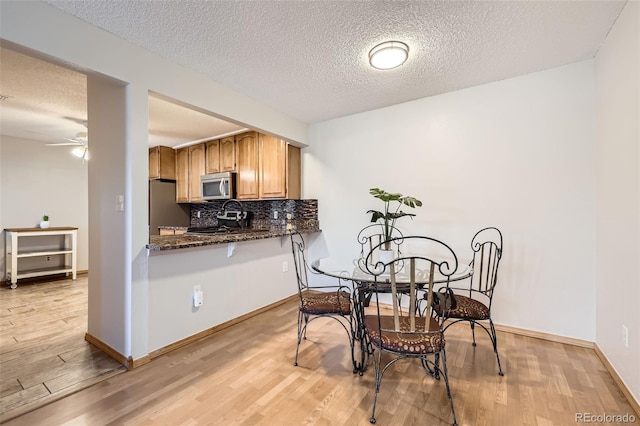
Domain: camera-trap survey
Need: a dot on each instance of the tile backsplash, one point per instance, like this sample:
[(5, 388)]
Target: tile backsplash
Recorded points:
[(304, 213)]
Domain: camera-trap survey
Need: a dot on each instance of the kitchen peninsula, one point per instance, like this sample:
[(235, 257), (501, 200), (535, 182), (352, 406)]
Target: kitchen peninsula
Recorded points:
[(239, 273)]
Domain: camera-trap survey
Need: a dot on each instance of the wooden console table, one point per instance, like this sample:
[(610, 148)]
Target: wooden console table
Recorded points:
[(60, 241)]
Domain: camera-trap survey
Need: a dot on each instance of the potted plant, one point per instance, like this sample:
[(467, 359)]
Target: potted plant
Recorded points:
[(391, 211), (44, 223)]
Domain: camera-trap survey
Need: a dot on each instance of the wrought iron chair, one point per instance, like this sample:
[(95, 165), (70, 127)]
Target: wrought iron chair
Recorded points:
[(373, 235), (325, 301), (474, 303), (403, 333)]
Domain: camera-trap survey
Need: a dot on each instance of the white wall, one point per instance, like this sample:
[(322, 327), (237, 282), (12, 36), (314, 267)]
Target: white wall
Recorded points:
[(37, 180), (618, 196), (516, 154), (110, 278), (232, 286)]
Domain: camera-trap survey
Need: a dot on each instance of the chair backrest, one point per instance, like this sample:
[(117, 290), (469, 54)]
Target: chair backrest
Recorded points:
[(372, 236), (300, 261), (412, 272), (487, 252)]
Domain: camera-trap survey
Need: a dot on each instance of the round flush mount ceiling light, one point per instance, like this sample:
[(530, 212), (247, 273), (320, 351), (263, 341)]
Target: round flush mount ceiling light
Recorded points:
[(388, 55)]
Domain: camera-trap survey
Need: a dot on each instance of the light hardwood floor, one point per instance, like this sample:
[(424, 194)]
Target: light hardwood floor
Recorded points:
[(43, 354), (244, 375)]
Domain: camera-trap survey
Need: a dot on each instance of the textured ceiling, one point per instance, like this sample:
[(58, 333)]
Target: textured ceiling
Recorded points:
[(309, 59), (49, 103)]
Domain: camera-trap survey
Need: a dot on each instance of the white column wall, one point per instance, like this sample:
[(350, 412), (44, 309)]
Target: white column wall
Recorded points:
[(618, 196), (137, 214), (109, 285), (516, 154)]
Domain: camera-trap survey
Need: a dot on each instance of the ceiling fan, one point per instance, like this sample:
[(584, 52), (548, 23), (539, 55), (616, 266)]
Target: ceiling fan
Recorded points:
[(81, 143)]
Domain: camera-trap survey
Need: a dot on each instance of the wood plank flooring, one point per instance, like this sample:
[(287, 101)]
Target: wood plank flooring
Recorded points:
[(244, 375), (43, 354)]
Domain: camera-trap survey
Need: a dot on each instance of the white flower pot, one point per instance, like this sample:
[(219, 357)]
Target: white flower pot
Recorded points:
[(385, 256), (44, 224)]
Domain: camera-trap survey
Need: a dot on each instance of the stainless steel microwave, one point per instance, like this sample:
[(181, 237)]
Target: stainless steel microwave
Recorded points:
[(218, 186)]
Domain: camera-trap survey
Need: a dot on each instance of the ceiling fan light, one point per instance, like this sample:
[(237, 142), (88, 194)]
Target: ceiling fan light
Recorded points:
[(388, 55), (79, 152)]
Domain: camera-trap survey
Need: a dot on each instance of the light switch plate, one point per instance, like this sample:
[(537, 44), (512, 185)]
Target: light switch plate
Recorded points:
[(120, 203)]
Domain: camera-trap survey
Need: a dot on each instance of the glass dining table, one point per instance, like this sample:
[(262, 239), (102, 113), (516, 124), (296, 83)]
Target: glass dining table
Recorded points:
[(363, 281)]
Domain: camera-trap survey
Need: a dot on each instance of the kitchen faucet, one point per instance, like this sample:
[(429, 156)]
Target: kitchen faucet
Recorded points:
[(240, 217)]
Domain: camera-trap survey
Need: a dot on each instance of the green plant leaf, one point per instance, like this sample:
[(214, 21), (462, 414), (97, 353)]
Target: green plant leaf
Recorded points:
[(397, 215), (375, 215), (391, 214), (384, 195), (411, 202)]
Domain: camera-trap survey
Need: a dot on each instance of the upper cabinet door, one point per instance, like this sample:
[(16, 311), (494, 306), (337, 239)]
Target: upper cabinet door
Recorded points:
[(293, 172), (228, 154), (162, 163), (154, 162), (182, 175), (247, 186), (196, 169), (212, 163), (273, 176)]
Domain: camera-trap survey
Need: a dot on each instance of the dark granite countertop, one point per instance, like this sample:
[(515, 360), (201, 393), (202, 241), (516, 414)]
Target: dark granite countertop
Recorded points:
[(174, 228), (174, 242)]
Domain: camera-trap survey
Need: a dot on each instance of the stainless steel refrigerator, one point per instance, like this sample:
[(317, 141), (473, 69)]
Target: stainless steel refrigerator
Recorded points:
[(163, 209)]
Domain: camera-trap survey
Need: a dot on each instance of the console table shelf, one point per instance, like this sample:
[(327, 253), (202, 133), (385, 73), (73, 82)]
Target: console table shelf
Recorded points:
[(59, 241)]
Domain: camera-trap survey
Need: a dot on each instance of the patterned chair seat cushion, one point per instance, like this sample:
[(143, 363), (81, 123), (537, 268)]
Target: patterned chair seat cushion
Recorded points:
[(408, 343), (466, 308), (318, 303)]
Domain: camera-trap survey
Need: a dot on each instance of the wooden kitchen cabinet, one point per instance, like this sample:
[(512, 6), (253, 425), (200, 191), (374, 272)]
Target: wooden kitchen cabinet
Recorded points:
[(182, 175), (212, 156), (166, 231), (272, 167), (162, 163), (196, 169), (220, 155), (228, 154), (279, 168), (268, 167), (294, 173), (248, 161), (190, 165)]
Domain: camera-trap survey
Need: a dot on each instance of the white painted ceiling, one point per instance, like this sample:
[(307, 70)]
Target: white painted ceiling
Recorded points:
[(309, 59)]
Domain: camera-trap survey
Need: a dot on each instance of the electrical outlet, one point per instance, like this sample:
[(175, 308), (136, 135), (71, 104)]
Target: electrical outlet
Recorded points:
[(625, 336), (285, 266), (48, 258), (275, 214), (198, 214)]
